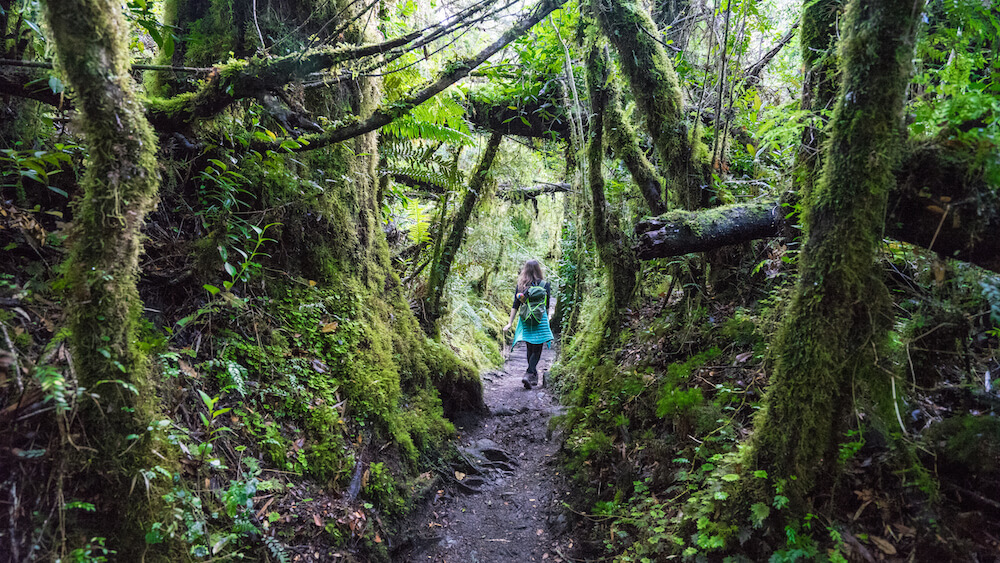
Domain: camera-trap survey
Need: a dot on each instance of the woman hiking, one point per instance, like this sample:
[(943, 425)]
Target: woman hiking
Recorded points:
[(531, 296)]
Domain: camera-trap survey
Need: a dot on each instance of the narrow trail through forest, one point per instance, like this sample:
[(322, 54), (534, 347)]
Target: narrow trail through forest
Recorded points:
[(504, 502)]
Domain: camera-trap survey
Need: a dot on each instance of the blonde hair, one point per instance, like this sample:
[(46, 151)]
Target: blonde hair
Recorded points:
[(532, 272)]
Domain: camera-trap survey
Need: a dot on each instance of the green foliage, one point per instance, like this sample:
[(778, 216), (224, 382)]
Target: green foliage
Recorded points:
[(94, 551), (36, 166), (418, 162), (419, 231), (440, 119), (143, 15), (675, 399), (957, 95), (382, 488)]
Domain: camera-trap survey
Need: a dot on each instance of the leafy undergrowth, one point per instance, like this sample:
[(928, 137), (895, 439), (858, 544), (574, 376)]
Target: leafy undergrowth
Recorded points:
[(657, 444), (287, 428)]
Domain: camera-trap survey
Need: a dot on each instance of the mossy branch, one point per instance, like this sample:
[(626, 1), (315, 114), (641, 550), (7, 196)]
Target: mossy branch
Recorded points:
[(478, 184), (455, 72), (632, 32), (625, 144), (241, 79), (545, 117)]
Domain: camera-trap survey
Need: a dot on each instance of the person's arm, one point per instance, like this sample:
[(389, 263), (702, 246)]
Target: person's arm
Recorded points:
[(513, 313), (548, 295)]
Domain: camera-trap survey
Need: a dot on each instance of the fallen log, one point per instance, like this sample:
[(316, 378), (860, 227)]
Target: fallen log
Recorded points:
[(938, 204), (681, 232)]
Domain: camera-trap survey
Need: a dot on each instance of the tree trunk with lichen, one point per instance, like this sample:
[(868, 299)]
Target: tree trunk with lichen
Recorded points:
[(119, 189), (478, 184), (629, 27), (829, 344)]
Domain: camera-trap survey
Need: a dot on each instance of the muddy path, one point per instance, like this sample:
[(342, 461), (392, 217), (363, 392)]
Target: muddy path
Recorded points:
[(504, 502)]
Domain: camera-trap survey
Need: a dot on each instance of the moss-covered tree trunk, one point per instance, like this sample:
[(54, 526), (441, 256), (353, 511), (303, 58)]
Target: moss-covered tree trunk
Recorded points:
[(631, 31), (119, 188), (818, 34), (838, 318), (478, 184), (619, 259), (625, 144)]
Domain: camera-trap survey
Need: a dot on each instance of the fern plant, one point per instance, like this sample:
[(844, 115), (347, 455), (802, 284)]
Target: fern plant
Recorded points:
[(420, 231), (420, 164)]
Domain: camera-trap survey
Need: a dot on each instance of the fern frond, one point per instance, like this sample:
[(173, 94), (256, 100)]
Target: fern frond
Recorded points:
[(442, 181), (420, 232), (276, 549)]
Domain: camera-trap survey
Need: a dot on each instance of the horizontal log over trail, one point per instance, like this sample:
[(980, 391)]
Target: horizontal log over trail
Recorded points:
[(937, 204), (681, 232)]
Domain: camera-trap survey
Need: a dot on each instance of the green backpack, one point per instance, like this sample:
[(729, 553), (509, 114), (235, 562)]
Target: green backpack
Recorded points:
[(533, 309)]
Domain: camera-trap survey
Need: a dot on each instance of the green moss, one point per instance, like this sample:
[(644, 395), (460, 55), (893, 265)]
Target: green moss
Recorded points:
[(119, 188), (968, 444)]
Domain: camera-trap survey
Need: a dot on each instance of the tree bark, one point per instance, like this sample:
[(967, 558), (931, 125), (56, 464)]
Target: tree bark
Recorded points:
[(119, 189), (478, 184), (827, 348)]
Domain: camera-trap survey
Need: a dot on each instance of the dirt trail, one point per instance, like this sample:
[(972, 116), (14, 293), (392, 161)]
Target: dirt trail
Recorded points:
[(508, 507)]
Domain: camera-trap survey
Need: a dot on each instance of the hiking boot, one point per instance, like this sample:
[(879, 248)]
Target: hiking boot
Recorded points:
[(526, 380)]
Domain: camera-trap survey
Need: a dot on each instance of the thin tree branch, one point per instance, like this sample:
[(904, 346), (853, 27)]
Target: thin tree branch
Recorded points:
[(751, 76)]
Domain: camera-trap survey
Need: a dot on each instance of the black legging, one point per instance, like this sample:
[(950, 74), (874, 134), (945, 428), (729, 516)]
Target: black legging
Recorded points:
[(534, 354)]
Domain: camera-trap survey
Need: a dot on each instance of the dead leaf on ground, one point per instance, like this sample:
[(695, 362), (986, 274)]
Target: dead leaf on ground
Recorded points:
[(886, 547), (187, 369)]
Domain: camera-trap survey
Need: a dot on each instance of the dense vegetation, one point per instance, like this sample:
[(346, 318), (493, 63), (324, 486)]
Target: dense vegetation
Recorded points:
[(257, 253)]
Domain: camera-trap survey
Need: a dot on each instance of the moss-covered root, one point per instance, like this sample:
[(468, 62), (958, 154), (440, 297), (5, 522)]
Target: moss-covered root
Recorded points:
[(838, 318), (651, 75), (119, 188)]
